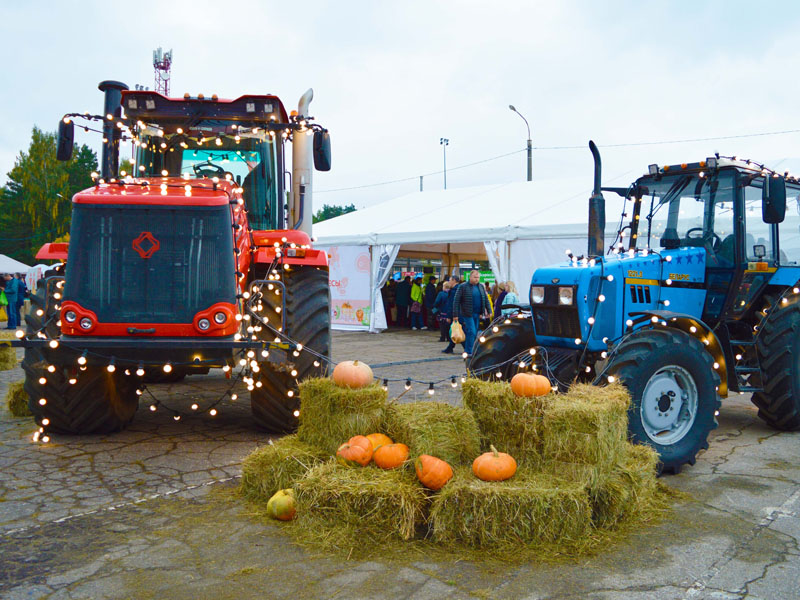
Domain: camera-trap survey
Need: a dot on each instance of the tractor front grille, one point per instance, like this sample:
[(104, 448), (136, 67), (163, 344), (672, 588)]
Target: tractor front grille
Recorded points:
[(556, 321), (150, 264)]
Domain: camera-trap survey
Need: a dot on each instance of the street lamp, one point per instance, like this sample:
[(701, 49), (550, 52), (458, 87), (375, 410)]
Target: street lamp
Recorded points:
[(444, 142), (530, 147)]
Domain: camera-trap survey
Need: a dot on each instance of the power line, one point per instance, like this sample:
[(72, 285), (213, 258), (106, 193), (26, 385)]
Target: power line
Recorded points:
[(580, 147)]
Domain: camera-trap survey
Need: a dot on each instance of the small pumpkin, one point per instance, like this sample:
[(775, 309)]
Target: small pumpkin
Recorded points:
[(281, 506), (494, 466), (355, 451), (390, 456), (530, 384), (379, 439), (352, 374), (432, 472)]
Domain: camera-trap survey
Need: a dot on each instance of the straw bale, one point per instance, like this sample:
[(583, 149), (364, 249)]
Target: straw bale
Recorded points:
[(366, 503), (510, 422), (530, 509), (17, 400), (588, 425), (8, 358), (330, 415), (434, 428), (277, 466)]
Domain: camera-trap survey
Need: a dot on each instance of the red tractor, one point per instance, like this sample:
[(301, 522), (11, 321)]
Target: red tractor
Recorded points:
[(200, 258)]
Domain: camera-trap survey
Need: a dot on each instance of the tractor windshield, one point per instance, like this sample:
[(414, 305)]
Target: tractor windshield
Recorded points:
[(687, 210), (249, 157)]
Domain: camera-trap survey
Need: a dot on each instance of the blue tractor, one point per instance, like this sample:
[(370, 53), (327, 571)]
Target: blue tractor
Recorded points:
[(697, 297)]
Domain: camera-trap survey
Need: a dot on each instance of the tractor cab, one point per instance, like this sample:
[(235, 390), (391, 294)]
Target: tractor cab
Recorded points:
[(732, 213)]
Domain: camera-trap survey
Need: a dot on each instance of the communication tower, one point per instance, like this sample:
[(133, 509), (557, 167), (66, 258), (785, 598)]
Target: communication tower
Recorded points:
[(162, 63)]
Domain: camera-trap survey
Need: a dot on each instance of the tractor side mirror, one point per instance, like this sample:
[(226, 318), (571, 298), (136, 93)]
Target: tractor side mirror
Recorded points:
[(322, 150), (66, 140), (773, 200)]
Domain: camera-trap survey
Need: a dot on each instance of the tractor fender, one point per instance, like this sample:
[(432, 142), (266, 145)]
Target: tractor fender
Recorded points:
[(696, 328)]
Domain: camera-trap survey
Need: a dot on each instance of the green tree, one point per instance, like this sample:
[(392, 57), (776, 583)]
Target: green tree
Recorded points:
[(36, 204), (125, 166), (328, 212)]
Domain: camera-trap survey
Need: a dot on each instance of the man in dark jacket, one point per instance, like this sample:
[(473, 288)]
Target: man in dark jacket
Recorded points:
[(403, 301), (13, 289), (429, 299), (469, 305)]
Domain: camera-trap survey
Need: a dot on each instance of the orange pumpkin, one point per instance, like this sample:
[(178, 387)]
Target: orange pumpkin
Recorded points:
[(432, 472), (494, 466), (356, 451), (379, 439), (390, 456), (530, 384), (352, 374)]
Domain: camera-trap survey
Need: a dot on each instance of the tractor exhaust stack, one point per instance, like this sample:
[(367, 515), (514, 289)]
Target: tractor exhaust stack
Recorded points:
[(597, 209), (112, 105)]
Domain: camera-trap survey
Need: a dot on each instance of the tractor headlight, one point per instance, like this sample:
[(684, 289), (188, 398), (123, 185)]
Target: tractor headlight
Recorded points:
[(537, 294), (70, 316), (86, 323), (220, 317), (203, 324), (565, 295)]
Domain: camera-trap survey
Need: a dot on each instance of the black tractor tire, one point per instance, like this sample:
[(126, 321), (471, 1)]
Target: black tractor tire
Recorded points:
[(778, 347), (308, 320), (671, 359), (98, 402), (496, 353)]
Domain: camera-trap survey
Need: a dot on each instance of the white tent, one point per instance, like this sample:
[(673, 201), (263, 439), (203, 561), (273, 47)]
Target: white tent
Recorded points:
[(517, 226), (9, 265)]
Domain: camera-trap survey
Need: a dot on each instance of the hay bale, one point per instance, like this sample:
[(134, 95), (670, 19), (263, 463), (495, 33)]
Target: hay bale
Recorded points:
[(510, 422), (624, 490), (530, 508), (331, 415), (588, 425), (277, 466), (17, 400), (366, 504), (434, 428), (8, 358)]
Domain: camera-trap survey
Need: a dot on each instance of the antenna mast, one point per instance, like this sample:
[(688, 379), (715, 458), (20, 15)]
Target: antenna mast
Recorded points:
[(162, 63)]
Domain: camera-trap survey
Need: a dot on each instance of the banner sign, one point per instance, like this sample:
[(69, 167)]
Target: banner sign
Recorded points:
[(349, 280)]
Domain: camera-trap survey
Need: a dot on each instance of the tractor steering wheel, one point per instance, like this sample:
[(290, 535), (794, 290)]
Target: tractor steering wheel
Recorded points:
[(208, 169), (716, 239)]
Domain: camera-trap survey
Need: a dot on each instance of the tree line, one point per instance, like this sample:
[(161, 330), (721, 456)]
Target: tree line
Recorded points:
[(36, 201)]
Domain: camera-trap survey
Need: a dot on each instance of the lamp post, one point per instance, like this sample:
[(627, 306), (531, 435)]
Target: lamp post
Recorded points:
[(530, 147), (444, 142)]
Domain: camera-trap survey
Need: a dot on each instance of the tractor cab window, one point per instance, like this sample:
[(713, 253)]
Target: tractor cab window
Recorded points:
[(687, 210), (758, 238), (217, 149), (789, 230)]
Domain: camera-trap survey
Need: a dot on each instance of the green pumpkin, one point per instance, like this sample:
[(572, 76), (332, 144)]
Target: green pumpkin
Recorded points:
[(281, 505)]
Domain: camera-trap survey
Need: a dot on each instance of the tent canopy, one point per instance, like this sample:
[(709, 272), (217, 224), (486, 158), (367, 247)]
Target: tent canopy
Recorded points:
[(9, 265), (525, 210)]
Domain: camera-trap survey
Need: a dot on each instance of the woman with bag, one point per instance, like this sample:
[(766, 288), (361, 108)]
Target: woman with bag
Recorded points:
[(440, 312)]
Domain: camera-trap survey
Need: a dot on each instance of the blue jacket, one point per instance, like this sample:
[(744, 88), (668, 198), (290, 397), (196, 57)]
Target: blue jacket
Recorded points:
[(440, 305), (462, 302), (13, 290)]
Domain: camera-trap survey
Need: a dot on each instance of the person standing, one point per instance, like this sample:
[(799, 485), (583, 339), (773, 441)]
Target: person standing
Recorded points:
[(439, 311), (470, 304), (416, 305), (510, 297), (23, 293), (448, 308), (502, 291), (12, 295), (430, 299), (403, 299)]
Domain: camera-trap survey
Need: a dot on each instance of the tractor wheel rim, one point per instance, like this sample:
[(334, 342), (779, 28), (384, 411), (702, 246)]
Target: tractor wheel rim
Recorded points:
[(669, 405)]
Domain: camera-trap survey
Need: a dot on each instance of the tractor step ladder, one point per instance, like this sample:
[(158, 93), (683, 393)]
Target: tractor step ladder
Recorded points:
[(743, 372)]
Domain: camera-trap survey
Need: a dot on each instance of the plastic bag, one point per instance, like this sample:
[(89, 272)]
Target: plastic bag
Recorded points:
[(3, 299), (457, 333)]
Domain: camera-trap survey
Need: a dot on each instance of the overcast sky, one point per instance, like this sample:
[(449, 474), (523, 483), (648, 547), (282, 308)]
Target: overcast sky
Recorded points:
[(391, 79)]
